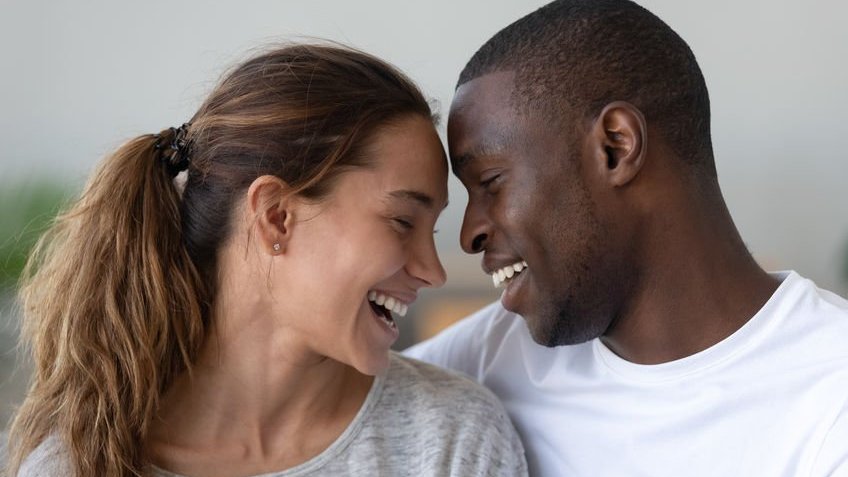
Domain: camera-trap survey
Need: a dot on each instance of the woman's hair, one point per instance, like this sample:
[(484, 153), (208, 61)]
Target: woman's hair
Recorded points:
[(117, 295)]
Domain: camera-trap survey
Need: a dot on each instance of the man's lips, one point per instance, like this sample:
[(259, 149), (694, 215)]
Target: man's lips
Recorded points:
[(491, 263), (502, 271)]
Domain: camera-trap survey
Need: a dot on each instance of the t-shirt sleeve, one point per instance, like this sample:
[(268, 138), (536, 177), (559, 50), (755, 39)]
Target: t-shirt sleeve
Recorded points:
[(460, 347), (484, 440), (511, 461), (496, 447), (446, 425), (833, 457), (49, 459)]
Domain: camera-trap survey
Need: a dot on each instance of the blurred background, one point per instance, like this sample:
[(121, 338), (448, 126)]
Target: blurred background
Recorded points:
[(79, 78)]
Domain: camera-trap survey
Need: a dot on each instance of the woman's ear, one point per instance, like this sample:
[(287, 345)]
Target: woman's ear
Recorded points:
[(271, 207), (619, 142)]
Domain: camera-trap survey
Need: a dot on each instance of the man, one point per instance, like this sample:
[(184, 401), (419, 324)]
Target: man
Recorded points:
[(582, 134)]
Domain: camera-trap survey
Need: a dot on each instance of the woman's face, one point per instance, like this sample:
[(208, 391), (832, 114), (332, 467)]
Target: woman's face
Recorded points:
[(371, 240)]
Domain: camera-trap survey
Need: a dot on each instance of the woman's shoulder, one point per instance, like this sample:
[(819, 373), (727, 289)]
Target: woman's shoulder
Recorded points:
[(425, 383), (49, 459), (436, 397), (449, 419)]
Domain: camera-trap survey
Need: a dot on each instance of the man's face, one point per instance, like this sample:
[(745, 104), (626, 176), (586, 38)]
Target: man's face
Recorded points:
[(528, 202)]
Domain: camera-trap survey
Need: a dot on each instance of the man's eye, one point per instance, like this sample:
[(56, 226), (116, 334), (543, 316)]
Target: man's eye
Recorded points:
[(403, 223), (485, 182)]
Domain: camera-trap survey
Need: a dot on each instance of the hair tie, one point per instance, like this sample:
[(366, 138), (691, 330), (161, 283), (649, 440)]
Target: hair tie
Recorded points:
[(174, 149)]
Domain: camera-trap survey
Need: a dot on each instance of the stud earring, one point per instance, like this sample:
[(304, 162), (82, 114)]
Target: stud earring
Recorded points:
[(276, 247)]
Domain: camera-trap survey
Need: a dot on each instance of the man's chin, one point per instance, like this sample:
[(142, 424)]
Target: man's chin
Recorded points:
[(552, 331), (542, 330)]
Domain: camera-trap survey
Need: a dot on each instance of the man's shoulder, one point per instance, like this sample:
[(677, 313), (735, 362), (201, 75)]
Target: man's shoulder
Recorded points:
[(832, 303), (806, 296), (816, 318)]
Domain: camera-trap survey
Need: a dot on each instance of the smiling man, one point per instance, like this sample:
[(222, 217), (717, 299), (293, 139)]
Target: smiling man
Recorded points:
[(636, 335)]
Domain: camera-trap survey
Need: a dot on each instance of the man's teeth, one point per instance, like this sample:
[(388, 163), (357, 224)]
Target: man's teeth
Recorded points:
[(389, 303), (499, 277)]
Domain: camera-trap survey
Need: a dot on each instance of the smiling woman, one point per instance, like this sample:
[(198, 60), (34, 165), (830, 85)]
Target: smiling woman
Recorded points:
[(222, 297), (369, 241)]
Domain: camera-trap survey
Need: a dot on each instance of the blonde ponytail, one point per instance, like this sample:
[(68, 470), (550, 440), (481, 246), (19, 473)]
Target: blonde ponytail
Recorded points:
[(113, 310)]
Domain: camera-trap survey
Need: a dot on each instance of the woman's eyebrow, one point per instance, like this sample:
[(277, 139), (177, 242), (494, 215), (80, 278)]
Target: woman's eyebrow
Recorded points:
[(418, 197)]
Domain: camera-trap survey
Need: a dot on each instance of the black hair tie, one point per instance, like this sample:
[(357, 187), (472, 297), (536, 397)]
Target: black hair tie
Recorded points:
[(174, 149)]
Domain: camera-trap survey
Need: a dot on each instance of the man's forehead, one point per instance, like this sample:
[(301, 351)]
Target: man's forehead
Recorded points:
[(482, 120), (489, 92)]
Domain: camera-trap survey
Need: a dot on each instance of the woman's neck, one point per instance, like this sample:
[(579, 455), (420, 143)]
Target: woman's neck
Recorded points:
[(256, 401)]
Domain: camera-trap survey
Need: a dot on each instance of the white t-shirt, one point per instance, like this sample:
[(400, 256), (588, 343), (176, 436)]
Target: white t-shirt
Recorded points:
[(770, 400)]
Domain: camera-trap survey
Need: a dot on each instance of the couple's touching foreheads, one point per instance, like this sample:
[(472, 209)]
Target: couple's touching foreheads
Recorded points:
[(222, 297)]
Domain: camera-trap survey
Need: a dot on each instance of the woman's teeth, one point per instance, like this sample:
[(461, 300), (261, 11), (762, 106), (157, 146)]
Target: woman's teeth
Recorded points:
[(505, 274), (390, 303)]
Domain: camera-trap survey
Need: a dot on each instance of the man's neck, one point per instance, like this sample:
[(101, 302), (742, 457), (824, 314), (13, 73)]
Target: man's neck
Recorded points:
[(700, 285)]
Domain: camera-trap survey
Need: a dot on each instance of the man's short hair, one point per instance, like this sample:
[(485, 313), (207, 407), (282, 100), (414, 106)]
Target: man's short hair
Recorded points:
[(577, 56)]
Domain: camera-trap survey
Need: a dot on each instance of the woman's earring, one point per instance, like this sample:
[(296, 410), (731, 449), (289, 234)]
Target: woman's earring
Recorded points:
[(276, 247)]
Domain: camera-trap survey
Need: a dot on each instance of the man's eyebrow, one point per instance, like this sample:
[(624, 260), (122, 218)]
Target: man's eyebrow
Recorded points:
[(414, 196), (496, 145)]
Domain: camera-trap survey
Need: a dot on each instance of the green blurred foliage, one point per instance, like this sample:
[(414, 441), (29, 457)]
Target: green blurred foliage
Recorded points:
[(26, 210)]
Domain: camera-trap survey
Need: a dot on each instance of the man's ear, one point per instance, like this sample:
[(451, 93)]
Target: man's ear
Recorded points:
[(271, 207), (619, 142)]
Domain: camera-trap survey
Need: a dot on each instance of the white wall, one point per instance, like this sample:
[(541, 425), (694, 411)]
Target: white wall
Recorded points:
[(80, 77)]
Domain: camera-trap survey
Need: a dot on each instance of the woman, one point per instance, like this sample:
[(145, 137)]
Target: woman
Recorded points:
[(221, 297)]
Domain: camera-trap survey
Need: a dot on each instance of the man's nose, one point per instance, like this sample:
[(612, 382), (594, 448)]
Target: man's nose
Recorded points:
[(476, 229)]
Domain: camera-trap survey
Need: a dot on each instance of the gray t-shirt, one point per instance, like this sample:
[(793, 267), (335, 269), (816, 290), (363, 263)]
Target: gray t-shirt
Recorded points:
[(418, 420)]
